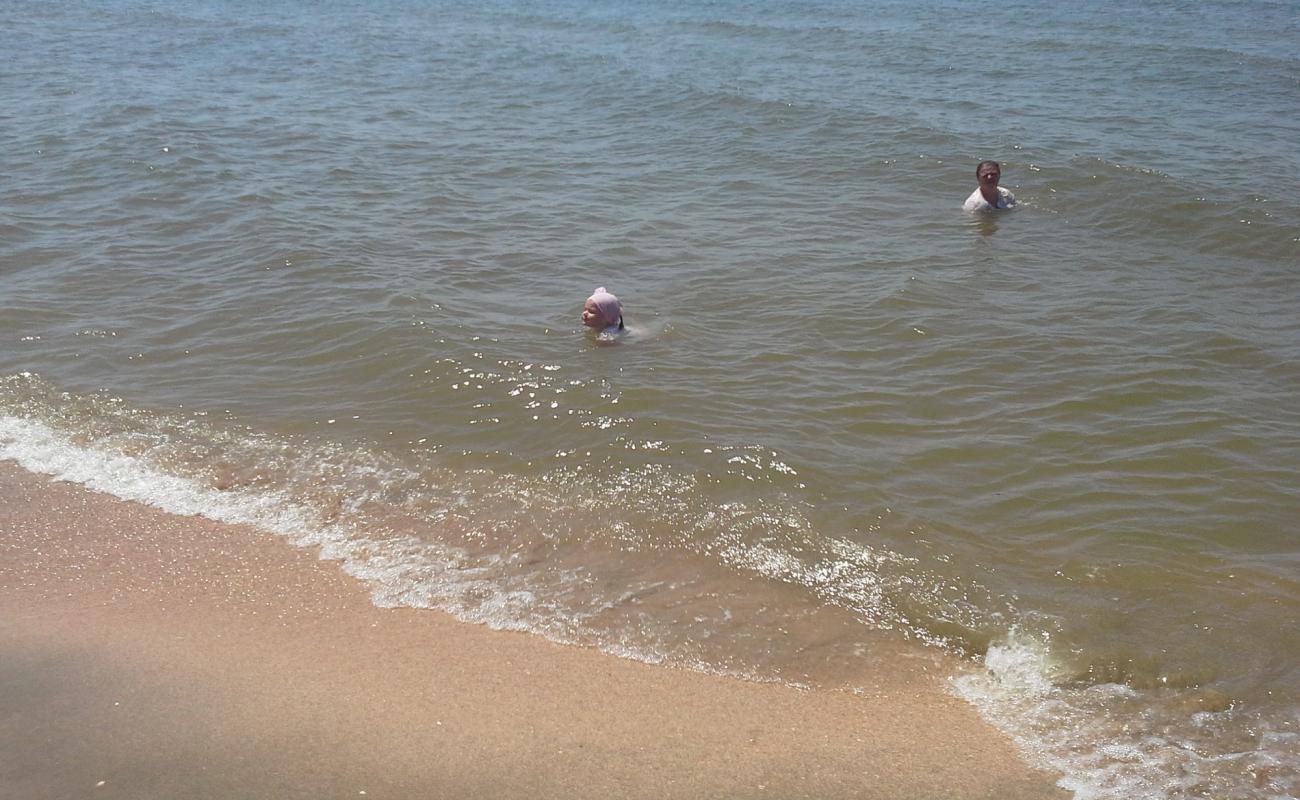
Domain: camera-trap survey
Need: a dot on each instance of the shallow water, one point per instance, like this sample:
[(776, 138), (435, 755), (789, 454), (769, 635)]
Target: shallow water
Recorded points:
[(322, 271)]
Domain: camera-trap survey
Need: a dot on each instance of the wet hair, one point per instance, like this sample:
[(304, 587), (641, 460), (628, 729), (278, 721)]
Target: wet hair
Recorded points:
[(620, 322), (984, 164)]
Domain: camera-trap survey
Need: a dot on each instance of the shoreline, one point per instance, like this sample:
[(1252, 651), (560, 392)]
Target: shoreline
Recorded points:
[(145, 654)]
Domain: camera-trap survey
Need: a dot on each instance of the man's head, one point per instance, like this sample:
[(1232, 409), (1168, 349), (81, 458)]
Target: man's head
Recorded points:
[(988, 173)]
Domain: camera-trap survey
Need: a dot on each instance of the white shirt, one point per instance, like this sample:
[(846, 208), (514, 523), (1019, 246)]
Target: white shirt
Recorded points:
[(976, 201)]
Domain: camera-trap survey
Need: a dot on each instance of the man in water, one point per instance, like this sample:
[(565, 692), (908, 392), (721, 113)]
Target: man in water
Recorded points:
[(989, 196)]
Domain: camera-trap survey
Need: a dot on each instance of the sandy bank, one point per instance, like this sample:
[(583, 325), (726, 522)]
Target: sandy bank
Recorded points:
[(145, 655)]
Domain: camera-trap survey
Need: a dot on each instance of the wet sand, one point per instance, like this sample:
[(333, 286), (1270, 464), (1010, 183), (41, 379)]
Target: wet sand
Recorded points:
[(147, 655)]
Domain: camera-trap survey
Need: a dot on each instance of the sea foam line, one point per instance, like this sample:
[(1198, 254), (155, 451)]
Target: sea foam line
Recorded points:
[(1108, 741), (399, 571), (38, 448)]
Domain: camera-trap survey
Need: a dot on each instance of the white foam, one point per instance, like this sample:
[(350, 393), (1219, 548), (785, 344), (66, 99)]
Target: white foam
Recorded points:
[(1019, 668), (38, 448), (1109, 741), (400, 571)]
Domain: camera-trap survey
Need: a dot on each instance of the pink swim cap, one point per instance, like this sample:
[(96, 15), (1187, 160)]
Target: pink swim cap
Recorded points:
[(610, 308)]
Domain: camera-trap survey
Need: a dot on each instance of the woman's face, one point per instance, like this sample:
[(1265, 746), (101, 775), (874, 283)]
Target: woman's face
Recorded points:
[(591, 316)]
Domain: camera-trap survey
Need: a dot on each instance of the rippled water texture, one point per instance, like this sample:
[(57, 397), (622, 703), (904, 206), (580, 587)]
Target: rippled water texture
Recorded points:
[(321, 269)]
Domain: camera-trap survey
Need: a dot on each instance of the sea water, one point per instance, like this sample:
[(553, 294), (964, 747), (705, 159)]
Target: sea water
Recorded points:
[(319, 267)]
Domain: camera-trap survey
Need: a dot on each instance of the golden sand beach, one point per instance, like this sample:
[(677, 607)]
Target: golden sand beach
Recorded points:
[(147, 655)]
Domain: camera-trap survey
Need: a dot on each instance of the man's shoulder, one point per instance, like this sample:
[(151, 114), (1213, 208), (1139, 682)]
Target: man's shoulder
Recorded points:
[(975, 202)]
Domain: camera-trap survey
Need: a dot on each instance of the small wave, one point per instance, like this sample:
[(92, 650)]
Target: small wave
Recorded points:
[(1114, 742)]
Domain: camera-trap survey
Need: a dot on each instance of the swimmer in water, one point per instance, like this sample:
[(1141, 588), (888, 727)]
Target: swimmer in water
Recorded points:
[(989, 195), (602, 310)]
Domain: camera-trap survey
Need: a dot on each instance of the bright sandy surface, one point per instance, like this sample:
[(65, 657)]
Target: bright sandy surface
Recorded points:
[(146, 655)]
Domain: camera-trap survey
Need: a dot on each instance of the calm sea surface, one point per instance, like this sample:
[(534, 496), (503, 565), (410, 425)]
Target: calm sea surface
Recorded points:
[(320, 266)]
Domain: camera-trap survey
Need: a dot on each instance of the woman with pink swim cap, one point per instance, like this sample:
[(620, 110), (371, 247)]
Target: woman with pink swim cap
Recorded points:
[(602, 311)]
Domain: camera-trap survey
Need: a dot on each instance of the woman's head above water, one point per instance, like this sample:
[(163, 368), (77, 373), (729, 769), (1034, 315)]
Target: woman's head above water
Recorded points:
[(602, 310)]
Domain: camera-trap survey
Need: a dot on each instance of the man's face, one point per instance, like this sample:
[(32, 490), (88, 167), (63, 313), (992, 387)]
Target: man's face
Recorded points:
[(989, 176)]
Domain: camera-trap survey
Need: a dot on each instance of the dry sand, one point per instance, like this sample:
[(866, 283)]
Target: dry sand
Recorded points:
[(146, 655)]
